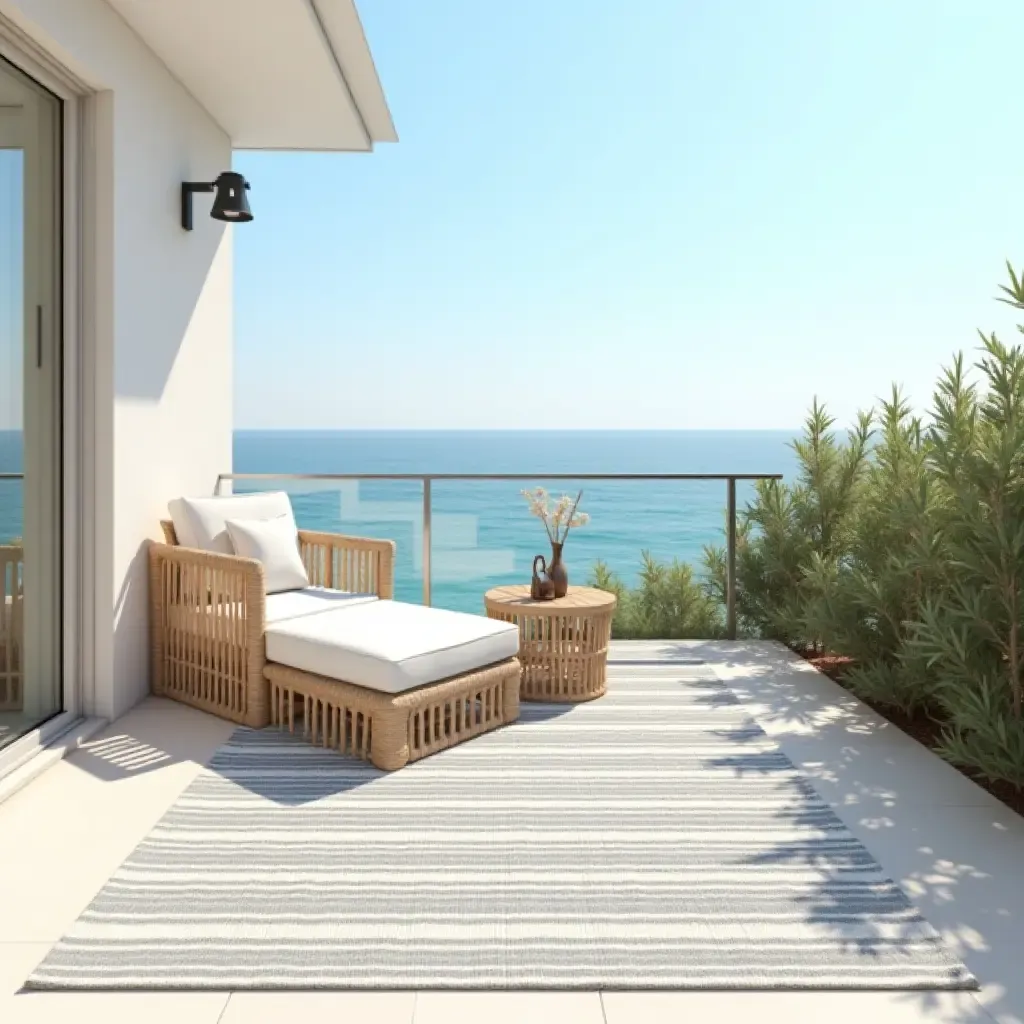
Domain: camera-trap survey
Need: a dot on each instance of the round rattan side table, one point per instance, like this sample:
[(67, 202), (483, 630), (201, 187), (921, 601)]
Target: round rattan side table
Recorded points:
[(563, 644)]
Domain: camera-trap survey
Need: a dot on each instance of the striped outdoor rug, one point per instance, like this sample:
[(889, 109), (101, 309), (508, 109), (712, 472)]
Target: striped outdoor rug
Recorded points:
[(655, 838)]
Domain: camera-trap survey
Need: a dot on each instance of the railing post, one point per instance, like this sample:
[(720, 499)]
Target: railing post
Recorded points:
[(730, 577), (426, 540)]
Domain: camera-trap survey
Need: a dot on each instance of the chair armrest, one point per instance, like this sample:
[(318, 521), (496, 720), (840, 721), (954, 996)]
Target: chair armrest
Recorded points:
[(200, 587), (359, 564), (207, 622)]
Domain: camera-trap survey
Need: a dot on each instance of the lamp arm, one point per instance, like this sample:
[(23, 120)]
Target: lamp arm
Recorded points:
[(188, 189)]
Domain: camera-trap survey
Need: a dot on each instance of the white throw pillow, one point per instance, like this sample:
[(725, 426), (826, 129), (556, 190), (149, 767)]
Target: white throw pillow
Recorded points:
[(275, 543), (200, 522)]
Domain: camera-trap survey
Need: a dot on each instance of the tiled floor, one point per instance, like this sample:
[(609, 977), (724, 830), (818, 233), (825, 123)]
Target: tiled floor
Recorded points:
[(958, 853)]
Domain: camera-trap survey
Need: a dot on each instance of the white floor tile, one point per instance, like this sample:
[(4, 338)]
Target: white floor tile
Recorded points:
[(319, 1007), (17, 959), (18, 1007), (113, 1008), (954, 849), (957, 868), (66, 833), (508, 1008), (957, 852), (792, 1008)]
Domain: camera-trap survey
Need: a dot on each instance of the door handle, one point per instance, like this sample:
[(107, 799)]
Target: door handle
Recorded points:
[(39, 337)]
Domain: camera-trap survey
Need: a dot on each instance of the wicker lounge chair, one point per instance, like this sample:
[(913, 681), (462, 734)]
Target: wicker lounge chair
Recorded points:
[(308, 658)]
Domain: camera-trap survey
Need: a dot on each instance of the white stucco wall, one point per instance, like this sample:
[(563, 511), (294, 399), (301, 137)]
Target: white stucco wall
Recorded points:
[(160, 313)]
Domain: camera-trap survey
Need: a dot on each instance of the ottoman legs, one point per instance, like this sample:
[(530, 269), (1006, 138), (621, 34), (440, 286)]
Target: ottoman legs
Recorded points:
[(390, 730), (389, 748)]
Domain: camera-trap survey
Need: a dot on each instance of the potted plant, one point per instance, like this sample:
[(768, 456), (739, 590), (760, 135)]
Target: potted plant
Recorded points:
[(558, 518)]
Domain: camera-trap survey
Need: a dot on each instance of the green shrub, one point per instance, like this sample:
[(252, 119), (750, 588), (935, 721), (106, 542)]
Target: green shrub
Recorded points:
[(901, 547), (860, 602), (789, 527), (667, 604), (971, 631)]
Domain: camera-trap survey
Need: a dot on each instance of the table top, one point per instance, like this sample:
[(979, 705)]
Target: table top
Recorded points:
[(517, 598)]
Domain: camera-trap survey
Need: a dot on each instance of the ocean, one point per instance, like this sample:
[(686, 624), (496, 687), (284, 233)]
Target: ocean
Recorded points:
[(482, 532)]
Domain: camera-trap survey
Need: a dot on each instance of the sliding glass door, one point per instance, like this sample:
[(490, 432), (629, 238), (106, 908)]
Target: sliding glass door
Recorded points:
[(30, 405)]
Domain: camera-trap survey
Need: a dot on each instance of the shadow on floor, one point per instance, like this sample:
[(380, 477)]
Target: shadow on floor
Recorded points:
[(959, 884), (155, 734)]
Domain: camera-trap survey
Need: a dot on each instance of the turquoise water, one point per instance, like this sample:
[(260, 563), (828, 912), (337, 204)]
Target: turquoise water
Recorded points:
[(482, 532), (10, 490)]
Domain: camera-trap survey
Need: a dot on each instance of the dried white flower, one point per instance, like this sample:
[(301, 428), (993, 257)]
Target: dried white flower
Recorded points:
[(557, 520)]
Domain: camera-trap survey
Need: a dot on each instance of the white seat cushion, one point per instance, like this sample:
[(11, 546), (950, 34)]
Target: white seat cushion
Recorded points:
[(293, 604), (390, 646), (200, 522)]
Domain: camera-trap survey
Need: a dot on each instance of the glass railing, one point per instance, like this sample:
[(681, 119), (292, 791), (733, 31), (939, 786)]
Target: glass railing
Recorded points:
[(458, 534), (11, 510)]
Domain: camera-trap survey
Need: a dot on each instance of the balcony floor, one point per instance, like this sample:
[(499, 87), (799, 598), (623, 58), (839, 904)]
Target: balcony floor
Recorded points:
[(956, 851)]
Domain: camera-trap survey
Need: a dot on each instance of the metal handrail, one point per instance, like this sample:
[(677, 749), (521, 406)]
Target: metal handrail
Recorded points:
[(498, 476), (426, 479)]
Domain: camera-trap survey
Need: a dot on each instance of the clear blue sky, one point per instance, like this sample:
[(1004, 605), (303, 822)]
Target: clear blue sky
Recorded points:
[(640, 214)]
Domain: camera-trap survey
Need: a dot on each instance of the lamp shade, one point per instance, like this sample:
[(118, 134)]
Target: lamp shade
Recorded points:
[(230, 202)]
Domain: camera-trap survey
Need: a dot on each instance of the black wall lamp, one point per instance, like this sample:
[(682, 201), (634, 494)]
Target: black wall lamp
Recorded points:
[(230, 202)]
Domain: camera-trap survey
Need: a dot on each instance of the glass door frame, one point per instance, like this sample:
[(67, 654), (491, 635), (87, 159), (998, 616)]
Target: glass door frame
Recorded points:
[(78, 168), (30, 137)]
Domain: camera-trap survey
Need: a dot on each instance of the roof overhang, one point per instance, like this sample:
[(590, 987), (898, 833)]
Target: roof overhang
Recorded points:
[(275, 74)]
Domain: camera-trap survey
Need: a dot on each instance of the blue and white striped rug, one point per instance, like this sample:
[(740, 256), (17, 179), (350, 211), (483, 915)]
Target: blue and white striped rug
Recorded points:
[(655, 838)]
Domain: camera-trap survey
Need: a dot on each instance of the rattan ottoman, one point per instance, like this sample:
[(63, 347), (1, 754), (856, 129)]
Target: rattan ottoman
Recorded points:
[(563, 644), (392, 729)]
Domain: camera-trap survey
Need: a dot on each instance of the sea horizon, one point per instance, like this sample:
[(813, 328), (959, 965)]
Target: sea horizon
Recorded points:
[(516, 430), (482, 533)]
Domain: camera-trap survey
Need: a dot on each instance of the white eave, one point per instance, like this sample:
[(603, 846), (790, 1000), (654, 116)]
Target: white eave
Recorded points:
[(275, 74)]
